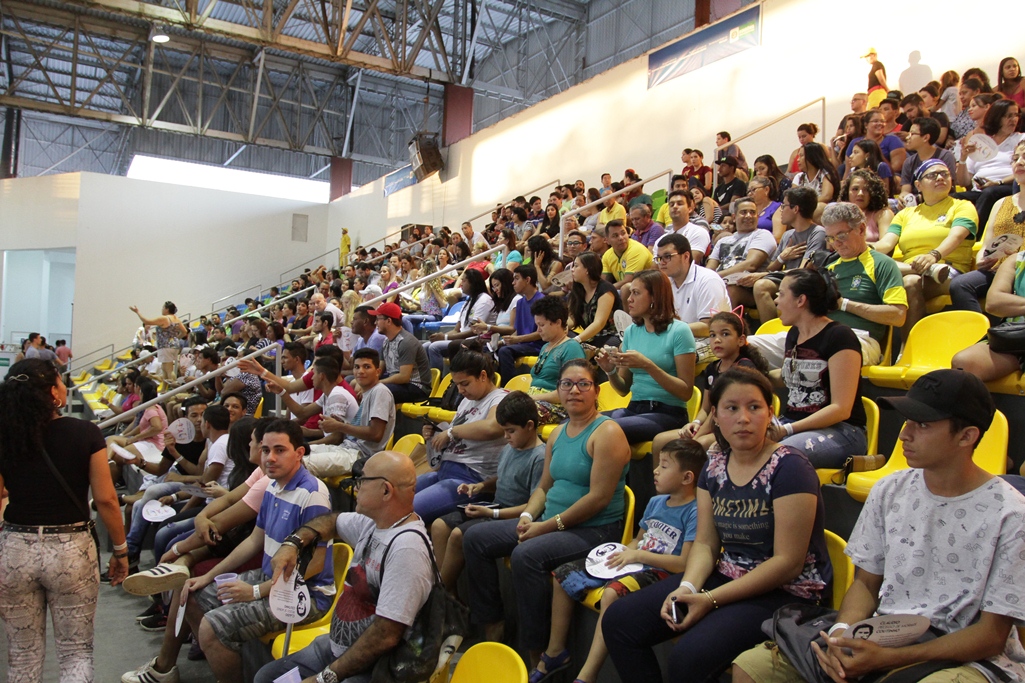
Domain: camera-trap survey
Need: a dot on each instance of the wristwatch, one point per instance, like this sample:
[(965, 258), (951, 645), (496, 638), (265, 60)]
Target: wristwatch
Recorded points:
[(293, 540), (327, 676)]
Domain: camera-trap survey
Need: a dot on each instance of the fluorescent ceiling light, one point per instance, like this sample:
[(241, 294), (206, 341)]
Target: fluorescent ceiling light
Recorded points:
[(228, 179)]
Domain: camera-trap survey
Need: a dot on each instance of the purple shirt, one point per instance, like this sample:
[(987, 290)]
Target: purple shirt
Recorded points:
[(524, 322), (650, 236)]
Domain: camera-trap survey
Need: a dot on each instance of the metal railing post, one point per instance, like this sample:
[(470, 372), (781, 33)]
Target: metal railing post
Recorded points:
[(394, 253), (427, 278), (108, 373), (74, 364), (121, 417), (277, 371), (306, 263)]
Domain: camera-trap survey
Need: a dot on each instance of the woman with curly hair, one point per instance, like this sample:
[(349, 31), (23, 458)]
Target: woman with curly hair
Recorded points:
[(867, 191), (432, 298), (47, 556)]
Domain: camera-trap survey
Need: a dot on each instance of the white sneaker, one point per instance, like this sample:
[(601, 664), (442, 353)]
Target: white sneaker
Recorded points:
[(148, 674), (163, 577)]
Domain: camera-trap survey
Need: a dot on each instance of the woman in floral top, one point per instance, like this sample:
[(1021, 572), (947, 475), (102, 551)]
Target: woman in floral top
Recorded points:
[(760, 545)]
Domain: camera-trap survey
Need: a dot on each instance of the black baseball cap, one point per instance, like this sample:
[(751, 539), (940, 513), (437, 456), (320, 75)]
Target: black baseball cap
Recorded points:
[(943, 394)]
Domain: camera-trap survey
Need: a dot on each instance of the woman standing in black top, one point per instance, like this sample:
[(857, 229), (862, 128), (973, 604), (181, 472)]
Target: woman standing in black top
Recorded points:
[(47, 555)]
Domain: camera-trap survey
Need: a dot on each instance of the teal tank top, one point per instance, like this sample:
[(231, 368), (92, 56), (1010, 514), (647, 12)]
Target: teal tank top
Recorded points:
[(571, 472)]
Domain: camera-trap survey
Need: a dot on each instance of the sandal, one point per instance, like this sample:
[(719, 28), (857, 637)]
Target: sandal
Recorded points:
[(552, 666)]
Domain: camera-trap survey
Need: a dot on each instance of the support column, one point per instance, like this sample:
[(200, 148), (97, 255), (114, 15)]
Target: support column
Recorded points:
[(11, 144), (702, 13), (341, 177), (457, 121)]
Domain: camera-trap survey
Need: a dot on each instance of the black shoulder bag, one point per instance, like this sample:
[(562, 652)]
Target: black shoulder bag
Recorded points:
[(436, 633)]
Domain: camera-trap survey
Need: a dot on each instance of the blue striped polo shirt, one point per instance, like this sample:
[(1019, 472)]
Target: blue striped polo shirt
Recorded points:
[(286, 508)]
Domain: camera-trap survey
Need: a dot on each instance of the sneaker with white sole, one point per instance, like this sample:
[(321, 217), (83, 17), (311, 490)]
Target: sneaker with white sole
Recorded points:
[(147, 673), (163, 577)]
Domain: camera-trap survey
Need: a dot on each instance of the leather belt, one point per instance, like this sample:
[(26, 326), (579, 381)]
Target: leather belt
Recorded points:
[(58, 529)]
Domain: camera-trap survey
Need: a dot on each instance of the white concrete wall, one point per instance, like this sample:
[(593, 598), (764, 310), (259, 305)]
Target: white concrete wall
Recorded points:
[(810, 48), (142, 243)]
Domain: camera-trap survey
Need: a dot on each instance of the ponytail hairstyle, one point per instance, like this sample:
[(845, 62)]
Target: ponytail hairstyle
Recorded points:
[(26, 408), (471, 360), (818, 289), (738, 375), (740, 328)]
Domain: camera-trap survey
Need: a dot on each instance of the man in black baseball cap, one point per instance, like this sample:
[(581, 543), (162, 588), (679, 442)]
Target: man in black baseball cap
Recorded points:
[(947, 395)]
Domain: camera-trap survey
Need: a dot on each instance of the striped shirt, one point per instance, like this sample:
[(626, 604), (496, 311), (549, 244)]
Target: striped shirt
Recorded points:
[(286, 508)]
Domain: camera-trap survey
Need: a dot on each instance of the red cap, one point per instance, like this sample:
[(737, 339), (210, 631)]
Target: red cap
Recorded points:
[(389, 309)]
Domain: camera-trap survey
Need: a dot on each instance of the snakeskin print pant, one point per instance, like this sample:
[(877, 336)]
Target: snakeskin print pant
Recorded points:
[(58, 571)]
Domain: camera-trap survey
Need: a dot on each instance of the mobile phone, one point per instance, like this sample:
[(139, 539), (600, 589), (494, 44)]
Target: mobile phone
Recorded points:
[(679, 612)]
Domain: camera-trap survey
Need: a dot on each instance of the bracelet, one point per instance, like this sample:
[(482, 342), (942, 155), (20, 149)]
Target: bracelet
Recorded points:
[(446, 336), (121, 556), (293, 540), (494, 513), (527, 515), (451, 436), (178, 460), (936, 254), (316, 534), (174, 549), (836, 627), (688, 584), (121, 546), (789, 428), (843, 304), (256, 592), (715, 605), (559, 524)]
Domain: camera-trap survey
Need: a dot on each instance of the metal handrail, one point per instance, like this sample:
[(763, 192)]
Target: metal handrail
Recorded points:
[(269, 304), (574, 212), (759, 129), (108, 373), (389, 254), (504, 204), (305, 263), (213, 304), (427, 278), (72, 367), (121, 417)]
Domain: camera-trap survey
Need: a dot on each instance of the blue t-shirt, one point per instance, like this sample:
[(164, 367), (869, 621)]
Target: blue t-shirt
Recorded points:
[(524, 321), (745, 519), (662, 349), (886, 145), (376, 342), (667, 528), (284, 509), (519, 472)]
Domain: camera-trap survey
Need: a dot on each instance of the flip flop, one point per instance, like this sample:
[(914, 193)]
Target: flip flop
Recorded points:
[(552, 666)]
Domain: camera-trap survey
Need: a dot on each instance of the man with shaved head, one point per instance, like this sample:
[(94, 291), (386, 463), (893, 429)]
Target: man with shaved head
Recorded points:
[(364, 629), (322, 305)]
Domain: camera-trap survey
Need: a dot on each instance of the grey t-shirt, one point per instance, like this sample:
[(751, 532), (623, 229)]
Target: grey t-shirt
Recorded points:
[(519, 472), (404, 349), (379, 402), (408, 577), (41, 353), (480, 456), (947, 559), (814, 237), (911, 164)]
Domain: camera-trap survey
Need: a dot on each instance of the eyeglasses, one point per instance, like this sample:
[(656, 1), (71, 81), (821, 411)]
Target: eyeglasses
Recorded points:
[(357, 483), (840, 237), (666, 258), (582, 385), (573, 243), (936, 175), (786, 206)]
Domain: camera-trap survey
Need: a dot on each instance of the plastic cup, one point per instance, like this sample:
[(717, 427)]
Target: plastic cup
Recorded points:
[(222, 579)]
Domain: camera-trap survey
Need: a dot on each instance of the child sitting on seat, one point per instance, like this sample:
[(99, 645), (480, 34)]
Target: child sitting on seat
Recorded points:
[(667, 530), (520, 465), (727, 336)]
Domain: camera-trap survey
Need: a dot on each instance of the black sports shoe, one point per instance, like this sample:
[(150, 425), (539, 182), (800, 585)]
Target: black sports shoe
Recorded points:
[(155, 623), (155, 608)]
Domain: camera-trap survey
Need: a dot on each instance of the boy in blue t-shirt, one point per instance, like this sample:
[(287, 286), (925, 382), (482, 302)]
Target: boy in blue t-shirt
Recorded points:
[(667, 530), (520, 465)]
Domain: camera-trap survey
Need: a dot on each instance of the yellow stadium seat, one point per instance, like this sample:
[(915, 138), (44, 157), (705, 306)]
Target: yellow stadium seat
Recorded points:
[(593, 597), (931, 345), (843, 568), (341, 556), (609, 398), (407, 443), (104, 365), (259, 409), (777, 406), (1008, 384), (519, 383), (937, 303), (491, 662), (871, 438), (527, 361), (991, 455), (421, 409), (438, 415), (772, 327)]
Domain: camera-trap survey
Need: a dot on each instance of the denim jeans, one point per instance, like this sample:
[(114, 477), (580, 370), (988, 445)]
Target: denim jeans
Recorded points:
[(632, 625), (436, 491), (967, 288), (509, 354), (311, 660), (175, 529), (139, 525), (829, 446), (55, 571), (532, 564), (640, 423)]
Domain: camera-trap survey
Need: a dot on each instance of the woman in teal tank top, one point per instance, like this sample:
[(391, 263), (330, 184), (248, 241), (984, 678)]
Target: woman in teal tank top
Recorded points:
[(578, 504)]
